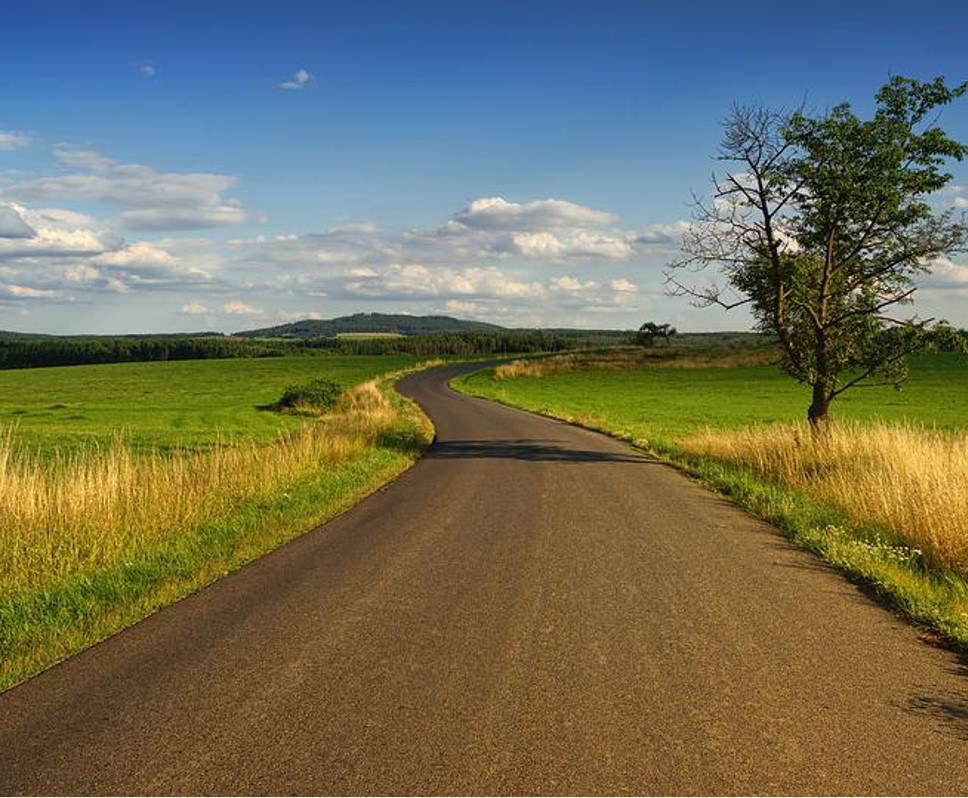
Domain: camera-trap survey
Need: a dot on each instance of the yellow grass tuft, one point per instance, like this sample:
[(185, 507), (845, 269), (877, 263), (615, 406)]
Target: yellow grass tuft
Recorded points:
[(909, 480), (535, 368), (81, 512)]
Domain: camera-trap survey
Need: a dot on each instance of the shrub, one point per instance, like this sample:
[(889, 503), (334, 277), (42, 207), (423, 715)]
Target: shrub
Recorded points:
[(311, 398)]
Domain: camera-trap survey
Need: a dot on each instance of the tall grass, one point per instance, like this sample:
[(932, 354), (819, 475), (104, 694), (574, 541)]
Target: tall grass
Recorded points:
[(905, 479), (82, 512), (93, 541), (632, 358)]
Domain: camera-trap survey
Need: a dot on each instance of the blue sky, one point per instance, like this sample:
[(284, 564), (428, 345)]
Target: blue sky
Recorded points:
[(229, 165)]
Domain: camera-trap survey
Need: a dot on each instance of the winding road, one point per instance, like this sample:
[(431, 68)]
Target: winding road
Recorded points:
[(533, 608)]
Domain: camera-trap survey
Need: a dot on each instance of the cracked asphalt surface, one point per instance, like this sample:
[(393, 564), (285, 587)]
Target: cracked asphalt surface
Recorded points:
[(533, 609)]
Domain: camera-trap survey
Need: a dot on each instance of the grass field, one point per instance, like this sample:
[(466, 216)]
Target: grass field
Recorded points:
[(97, 532), (190, 405), (664, 404), (885, 496)]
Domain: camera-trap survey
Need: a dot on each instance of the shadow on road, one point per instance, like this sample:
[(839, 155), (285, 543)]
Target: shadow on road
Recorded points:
[(950, 713), (532, 450)]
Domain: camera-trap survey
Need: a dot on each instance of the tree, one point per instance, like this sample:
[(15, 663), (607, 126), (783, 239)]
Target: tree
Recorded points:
[(821, 226), (649, 331)]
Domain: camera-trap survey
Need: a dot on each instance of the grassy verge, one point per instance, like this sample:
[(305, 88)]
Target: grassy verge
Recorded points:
[(885, 501), (97, 541)]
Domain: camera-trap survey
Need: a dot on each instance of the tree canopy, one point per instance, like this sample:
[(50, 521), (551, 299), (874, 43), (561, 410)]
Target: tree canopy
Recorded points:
[(821, 223)]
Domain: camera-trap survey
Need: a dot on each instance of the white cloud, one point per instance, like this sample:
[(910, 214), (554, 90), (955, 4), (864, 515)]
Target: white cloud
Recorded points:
[(146, 69), (579, 244), (12, 224), (82, 273), (152, 200), (60, 217), (25, 292), (597, 245), (49, 242), (140, 252), (571, 284), (237, 308), (485, 269), (945, 274), (227, 215), (496, 213), (144, 265), (463, 307), (300, 79), (661, 233), (195, 309), (416, 280), (539, 245), (86, 160), (13, 140), (623, 286)]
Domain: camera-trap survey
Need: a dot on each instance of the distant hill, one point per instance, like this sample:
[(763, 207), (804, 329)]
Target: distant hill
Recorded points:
[(371, 323)]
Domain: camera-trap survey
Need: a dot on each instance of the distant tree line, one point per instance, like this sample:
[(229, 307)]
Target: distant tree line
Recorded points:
[(70, 351), (38, 351), (469, 344)]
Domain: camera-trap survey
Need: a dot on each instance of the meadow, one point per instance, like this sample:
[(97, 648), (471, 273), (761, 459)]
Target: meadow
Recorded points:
[(666, 399), (189, 405), (884, 496), (155, 479)]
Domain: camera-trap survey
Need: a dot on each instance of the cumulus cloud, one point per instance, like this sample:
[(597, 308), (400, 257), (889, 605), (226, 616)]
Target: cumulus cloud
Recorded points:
[(9, 291), (195, 309), (623, 286), (417, 280), (539, 245), (82, 273), (571, 284), (660, 234), (61, 217), (152, 200), (49, 242), (13, 140), (12, 224), (946, 274), (237, 308), (496, 213), (300, 79), (144, 265), (478, 263), (146, 69), (596, 245), (141, 253), (579, 244)]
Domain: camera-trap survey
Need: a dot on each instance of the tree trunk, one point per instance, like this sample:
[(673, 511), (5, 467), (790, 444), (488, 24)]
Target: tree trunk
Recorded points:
[(818, 414)]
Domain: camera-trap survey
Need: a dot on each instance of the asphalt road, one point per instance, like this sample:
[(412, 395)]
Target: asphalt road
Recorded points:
[(532, 609)]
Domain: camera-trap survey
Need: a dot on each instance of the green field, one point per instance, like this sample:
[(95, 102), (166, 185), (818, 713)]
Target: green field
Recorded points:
[(661, 405), (165, 405)]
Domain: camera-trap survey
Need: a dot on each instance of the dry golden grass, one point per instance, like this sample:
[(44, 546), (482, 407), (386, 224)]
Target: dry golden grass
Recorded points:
[(904, 478), (83, 512), (665, 357)]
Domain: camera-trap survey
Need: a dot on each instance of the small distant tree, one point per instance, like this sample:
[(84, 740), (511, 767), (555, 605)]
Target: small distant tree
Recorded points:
[(821, 226), (649, 331)]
